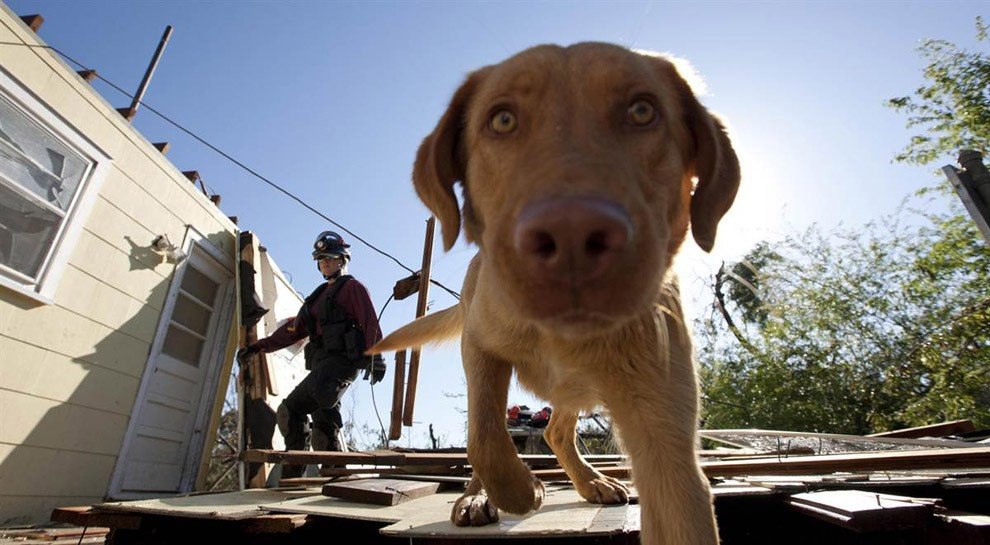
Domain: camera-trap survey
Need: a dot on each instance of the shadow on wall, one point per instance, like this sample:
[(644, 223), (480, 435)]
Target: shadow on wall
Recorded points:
[(69, 385)]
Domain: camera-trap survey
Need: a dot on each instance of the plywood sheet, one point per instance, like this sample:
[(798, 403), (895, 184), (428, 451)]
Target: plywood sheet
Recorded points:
[(564, 512), (225, 506)]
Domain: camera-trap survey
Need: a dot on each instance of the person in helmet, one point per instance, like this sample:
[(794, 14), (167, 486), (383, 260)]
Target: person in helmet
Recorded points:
[(340, 321)]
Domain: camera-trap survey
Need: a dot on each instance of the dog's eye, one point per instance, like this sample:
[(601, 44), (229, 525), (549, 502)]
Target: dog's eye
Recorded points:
[(641, 112), (503, 122)]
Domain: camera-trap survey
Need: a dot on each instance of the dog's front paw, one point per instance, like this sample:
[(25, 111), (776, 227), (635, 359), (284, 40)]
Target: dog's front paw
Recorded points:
[(473, 510), (518, 496), (603, 489)]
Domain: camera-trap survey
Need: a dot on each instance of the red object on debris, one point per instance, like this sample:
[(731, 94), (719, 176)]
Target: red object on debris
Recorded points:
[(541, 418), (512, 416)]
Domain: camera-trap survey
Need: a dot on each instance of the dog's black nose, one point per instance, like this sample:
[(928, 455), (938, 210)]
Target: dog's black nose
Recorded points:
[(571, 239)]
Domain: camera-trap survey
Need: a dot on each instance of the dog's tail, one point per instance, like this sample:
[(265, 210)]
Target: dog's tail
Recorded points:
[(432, 328)]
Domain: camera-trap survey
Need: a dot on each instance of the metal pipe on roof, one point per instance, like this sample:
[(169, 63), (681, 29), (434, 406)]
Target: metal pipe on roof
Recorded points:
[(132, 111)]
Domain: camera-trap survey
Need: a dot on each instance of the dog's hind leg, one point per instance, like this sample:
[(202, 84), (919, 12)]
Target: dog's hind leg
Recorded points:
[(494, 459), (589, 482), (473, 507)]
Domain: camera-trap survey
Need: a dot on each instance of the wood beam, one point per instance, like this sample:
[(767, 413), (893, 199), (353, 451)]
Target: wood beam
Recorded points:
[(424, 291), (88, 75), (954, 427), (33, 22)]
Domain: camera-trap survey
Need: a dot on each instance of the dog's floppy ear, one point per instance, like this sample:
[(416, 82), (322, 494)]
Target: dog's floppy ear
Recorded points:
[(717, 169), (441, 161), (715, 165)]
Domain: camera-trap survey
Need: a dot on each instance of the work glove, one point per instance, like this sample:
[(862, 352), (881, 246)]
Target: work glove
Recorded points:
[(244, 354), (377, 370)]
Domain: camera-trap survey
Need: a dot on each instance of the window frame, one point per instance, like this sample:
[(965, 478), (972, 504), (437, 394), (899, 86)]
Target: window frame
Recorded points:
[(42, 288)]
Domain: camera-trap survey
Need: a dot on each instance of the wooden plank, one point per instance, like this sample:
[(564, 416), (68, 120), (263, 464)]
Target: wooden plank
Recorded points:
[(395, 458), (974, 457), (398, 396), (386, 458), (770, 441), (412, 374), (224, 506), (76, 540), (303, 481), (88, 516), (449, 479), (740, 489), (274, 524), (862, 511), (336, 508), (394, 471), (726, 452), (960, 528), (98, 522), (306, 457), (966, 482), (380, 491), (872, 461), (953, 427), (805, 465), (803, 483), (320, 481), (51, 534)]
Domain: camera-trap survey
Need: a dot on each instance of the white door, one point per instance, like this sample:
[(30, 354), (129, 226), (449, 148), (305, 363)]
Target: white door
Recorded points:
[(163, 443)]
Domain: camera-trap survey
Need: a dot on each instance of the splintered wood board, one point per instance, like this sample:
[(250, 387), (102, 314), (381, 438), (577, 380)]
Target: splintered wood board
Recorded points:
[(564, 513), (225, 506), (380, 491)]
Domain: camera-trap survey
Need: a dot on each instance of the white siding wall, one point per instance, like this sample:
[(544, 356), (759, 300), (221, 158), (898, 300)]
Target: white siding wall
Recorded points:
[(70, 371)]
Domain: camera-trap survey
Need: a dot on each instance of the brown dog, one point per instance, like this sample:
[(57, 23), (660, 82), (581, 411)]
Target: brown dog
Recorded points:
[(578, 168)]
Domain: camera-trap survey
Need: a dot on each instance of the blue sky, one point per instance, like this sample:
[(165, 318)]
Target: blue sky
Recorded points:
[(331, 99)]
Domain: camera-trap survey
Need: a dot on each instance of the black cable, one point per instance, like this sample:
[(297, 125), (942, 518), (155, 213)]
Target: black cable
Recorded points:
[(233, 160), (454, 294), (374, 404), (390, 297)]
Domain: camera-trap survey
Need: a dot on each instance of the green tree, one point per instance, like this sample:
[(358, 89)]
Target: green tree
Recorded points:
[(873, 328), (222, 472), (853, 331), (953, 107)]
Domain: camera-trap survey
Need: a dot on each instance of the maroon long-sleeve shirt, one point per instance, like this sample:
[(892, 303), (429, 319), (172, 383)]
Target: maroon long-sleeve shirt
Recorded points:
[(356, 302)]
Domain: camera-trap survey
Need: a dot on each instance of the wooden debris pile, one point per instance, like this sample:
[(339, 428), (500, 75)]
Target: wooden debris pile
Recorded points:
[(769, 487)]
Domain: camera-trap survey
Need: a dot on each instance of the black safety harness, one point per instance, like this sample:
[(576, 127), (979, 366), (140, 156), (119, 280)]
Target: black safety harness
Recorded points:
[(340, 342)]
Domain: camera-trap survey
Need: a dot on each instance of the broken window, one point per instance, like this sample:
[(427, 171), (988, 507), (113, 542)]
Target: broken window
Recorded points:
[(44, 168)]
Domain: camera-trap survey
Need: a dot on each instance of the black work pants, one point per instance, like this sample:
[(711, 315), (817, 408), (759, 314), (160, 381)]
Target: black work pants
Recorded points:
[(319, 395)]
